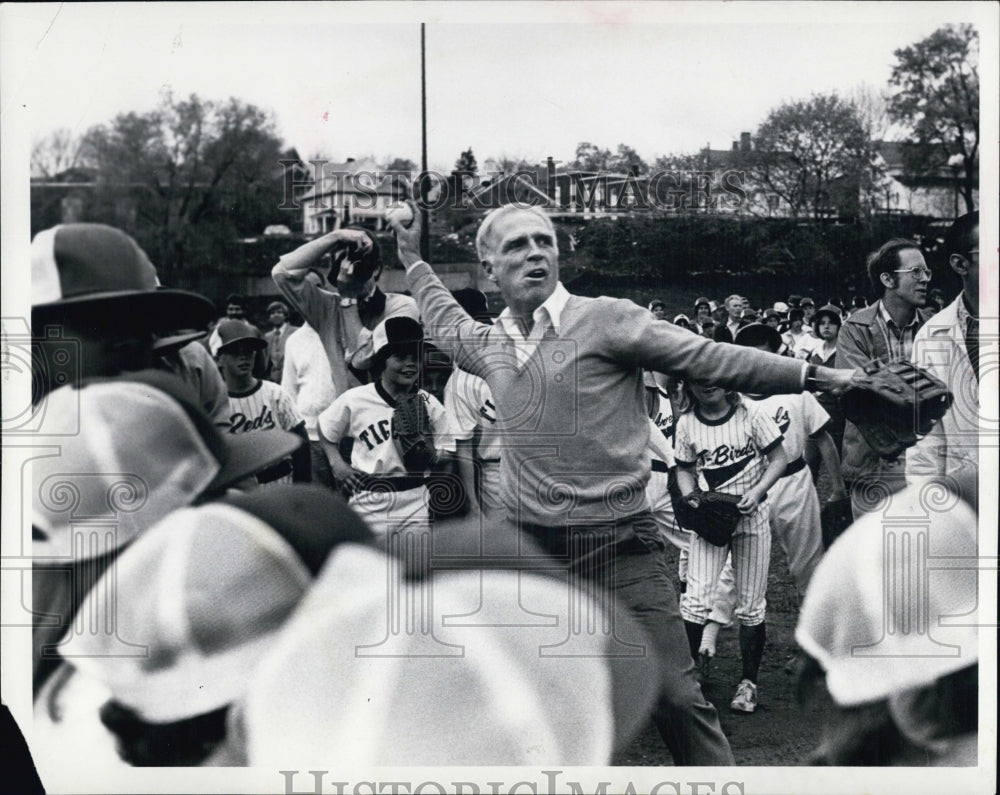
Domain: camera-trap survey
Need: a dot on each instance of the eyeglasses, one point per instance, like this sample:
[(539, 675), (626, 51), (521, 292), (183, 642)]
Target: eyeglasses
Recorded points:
[(919, 273)]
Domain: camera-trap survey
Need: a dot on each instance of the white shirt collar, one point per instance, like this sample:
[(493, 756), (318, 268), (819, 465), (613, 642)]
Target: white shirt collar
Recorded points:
[(552, 307)]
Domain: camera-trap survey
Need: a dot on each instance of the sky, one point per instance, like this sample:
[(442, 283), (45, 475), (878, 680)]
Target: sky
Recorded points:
[(522, 80)]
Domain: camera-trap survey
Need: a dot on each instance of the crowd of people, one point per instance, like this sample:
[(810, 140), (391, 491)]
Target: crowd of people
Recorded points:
[(274, 511)]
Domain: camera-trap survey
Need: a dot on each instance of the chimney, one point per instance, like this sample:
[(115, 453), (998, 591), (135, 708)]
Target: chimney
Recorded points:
[(350, 160), (736, 146), (745, 141)]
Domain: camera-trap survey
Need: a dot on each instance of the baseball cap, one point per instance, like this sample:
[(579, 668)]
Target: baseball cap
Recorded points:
[(781, 307), (756, 334), (749, 314), (656, 302), (854, 597), (366, 263), (681, 317), (772, 313), (474, 302), (231, 331), (94, 268), (488, 694), (132, 449), (807, 302), (794, 300), (205, 592), (702, 301), (828, 311), (396, 335), (277, 306)]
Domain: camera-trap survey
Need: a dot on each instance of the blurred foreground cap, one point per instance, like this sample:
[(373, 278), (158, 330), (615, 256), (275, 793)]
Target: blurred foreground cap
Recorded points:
[(204, 591), (893, 603), (338, 688)]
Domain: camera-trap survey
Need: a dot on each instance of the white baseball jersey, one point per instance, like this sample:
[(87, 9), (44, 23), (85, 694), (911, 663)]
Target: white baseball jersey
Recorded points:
[(472, 413), (797, 417), (266, 407), (365, 415), (729, 452), (306, 376), (795, 511)]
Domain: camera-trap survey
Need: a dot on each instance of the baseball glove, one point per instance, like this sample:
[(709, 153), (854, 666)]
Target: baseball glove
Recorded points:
[(835, 517), (899, 402), (412, 429), (714, 519)]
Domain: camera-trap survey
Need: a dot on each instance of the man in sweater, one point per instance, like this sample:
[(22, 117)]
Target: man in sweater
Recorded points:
[(566, 375)]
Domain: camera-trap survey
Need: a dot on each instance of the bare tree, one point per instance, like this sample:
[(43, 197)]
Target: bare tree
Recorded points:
[(56, 153)]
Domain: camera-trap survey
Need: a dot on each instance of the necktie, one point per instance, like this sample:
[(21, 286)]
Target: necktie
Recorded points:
[(972, 343)]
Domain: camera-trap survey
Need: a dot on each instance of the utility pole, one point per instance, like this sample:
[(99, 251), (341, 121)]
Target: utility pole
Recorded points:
[(425, 231)]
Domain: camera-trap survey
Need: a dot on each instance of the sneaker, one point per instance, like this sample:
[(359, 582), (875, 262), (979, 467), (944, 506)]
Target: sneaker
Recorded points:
[(704, 664), (745, 699)]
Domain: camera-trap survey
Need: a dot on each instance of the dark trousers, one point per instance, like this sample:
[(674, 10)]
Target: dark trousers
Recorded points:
[(321, 471), (627, 557)]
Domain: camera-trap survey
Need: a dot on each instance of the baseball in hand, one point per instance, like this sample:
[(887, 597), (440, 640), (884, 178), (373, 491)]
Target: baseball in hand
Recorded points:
[(401, 215)]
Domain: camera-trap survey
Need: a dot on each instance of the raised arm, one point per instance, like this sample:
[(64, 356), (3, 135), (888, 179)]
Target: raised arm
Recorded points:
[(447, 324)]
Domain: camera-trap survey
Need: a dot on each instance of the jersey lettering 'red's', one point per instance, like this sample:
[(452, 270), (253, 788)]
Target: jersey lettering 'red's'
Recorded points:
[(240, 423)]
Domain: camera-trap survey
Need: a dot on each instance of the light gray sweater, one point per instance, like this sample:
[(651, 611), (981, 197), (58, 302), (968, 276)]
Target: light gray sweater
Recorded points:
[(573, 419)]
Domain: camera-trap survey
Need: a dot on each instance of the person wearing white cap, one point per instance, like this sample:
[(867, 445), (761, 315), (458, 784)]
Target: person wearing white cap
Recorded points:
[(383, 492), (200, 598), (890, 618), (334, 690), (131, 449)]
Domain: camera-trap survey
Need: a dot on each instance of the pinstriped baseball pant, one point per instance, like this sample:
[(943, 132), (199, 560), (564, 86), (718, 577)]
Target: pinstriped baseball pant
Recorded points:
[(751, 550)]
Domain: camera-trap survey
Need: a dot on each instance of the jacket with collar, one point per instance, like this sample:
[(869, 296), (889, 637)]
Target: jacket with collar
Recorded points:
[(952, 446), (861, 340)]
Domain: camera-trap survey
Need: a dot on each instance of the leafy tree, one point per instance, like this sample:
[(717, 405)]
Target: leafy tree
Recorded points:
[(467, 162), (197, 173), (590, 157), (810, 153), (627, 158), (402, 164), (508, 164), (937, 97)]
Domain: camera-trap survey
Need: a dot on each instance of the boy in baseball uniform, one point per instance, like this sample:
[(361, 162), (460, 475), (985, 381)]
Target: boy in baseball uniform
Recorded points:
[(256, 405), (384, 493), (738, 450), (795, 513)]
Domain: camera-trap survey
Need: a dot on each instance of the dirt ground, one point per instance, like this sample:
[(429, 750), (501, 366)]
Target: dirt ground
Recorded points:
[(779, 732)]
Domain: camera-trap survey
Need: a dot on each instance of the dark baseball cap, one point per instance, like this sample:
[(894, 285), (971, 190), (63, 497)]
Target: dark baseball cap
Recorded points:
[(232, 331), (97, 270), (755, 334)]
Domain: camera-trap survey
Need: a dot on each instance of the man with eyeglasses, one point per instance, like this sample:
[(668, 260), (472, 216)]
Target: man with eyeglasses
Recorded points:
[(948, 346), (883, 331)]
